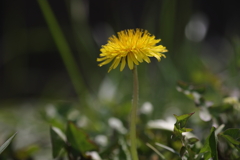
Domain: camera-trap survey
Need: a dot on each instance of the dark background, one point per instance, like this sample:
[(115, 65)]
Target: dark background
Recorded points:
[(30, 64)]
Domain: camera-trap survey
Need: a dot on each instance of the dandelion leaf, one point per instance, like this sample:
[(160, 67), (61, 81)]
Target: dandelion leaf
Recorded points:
[(209, 148)]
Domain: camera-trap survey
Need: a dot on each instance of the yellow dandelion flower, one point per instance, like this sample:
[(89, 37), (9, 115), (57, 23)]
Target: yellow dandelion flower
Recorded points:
[(131, 47)]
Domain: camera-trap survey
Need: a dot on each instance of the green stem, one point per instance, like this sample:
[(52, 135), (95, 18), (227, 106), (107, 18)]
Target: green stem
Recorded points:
[(133, 117)]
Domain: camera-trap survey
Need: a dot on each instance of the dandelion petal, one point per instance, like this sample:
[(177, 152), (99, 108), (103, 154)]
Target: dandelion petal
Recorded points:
[(130, 62), (123, 63), (133, 46)]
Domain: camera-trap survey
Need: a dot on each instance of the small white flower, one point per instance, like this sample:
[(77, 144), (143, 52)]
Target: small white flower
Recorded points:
[(146, 108), (94, 155), (101, 140), (162, 124), (117, 124)]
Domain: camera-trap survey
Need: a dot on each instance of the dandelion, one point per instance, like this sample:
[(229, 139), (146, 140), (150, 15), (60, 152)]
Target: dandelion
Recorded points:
[(131, 47)]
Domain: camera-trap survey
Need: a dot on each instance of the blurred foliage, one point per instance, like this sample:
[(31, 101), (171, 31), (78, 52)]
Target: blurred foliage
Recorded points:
[(48, 54), (74, 136)]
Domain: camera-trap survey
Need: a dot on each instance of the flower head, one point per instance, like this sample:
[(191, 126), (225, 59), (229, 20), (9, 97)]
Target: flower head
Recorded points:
[(131, 47)]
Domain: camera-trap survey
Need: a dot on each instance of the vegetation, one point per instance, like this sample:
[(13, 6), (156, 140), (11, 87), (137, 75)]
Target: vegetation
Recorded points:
[(188, 105)]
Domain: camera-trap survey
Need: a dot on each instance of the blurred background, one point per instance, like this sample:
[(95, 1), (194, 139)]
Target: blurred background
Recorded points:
[(46, 60)]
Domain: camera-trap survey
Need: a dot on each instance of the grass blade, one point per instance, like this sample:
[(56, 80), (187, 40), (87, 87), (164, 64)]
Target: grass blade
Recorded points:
[(4, 146)]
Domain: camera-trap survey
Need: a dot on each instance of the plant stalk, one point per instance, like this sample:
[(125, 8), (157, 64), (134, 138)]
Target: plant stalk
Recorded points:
[(133, 118)]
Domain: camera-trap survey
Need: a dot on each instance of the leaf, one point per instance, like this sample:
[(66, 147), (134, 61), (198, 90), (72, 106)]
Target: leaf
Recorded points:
[(58, 140), (192, 140), (232, 135), (182, 120), (167, 148), (9, 140), (156, 151), (179, 126), (209, 148), (78, 139), (183, 151)]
